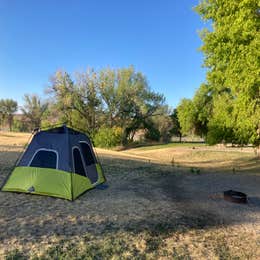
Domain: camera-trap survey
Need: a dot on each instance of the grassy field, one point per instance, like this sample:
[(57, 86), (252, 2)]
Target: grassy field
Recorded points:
[(168, 145), (162, 203)]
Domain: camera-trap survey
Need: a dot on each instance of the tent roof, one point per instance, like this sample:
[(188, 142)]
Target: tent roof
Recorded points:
[(61, 129)]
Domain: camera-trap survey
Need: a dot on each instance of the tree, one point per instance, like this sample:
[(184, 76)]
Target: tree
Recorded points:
[(136, 102), (8, 107), (194, 114), (62, 95), (203, 104), (176, 127), (231, 52), (163, 122), (108, 90), (76, 101), (33, 110), (221, 123), (2, 114), (105, 98), (127, 100), (86, 99), (186, 114)]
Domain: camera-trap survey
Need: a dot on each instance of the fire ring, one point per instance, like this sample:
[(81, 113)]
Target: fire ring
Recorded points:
[(235, 196)]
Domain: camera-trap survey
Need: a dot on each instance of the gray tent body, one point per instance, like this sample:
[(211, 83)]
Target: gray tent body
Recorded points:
[(62, 140)]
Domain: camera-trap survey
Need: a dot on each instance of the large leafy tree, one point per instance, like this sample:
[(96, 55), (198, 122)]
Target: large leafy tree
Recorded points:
[(86, 98), (186, 114), (2, 114), (108, 90), (163, 123), (232, 51), (75, 102), (176, 127), (127, 99), (7, 109), (107, 98), (203, 104), (62, 95), (193, 115), (137, 102), (33, 110)]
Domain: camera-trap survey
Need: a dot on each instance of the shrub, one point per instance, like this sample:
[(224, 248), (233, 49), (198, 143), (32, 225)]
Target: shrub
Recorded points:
[(218, 134), (152, 134), (108, 137), (20, 126)]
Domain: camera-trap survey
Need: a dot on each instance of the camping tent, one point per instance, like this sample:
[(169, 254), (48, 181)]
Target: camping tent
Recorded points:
[(58, 162)]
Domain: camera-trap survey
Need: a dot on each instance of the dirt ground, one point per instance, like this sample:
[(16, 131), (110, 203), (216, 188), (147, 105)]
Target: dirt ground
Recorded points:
[(154, 208)]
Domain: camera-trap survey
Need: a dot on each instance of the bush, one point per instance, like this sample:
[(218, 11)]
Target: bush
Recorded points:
[(108, 137), (20, 126), (152, 134), (218, 134)]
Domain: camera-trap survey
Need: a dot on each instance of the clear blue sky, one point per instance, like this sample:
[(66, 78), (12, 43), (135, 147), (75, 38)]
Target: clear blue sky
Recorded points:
[(160, 38)]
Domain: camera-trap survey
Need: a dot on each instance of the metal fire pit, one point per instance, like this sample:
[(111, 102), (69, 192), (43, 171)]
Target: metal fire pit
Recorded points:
[(235, 196)]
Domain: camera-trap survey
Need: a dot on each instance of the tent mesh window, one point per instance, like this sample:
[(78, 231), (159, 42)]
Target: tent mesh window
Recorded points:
[(87, 154), (44, 159), (78, 164)]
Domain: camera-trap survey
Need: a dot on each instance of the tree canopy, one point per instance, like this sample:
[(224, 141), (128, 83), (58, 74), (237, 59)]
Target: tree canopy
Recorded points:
[(227, 107), (7, 109), (104, 98), (33, 110)]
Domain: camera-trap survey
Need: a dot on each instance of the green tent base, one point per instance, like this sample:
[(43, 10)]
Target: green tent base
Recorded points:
[(50, 182)]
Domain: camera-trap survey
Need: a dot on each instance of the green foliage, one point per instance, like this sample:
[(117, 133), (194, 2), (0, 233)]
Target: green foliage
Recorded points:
[(162, 123), (176, 127), (186, 115), (69, 101), (230, 110), (193, 115), (152, 133), (105, 98), (20, 125), (7, 109), (108, 137), (33, 110), (202, 101), (128, 100)]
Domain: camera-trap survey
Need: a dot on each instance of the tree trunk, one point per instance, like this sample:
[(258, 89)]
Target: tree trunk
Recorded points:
[(125, 136), (258, 151), (10, 122), (111, 119), (132, 135), (93, 120)]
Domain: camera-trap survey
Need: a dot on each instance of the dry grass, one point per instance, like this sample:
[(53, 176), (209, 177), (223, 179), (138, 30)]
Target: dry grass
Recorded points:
[(13, 139), (205, 157), (153, 209)]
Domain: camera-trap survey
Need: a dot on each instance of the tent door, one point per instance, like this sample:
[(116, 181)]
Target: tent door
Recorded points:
[(90, 161)]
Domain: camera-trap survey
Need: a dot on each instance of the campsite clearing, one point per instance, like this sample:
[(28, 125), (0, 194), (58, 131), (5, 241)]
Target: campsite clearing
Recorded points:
[(160, 203)]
